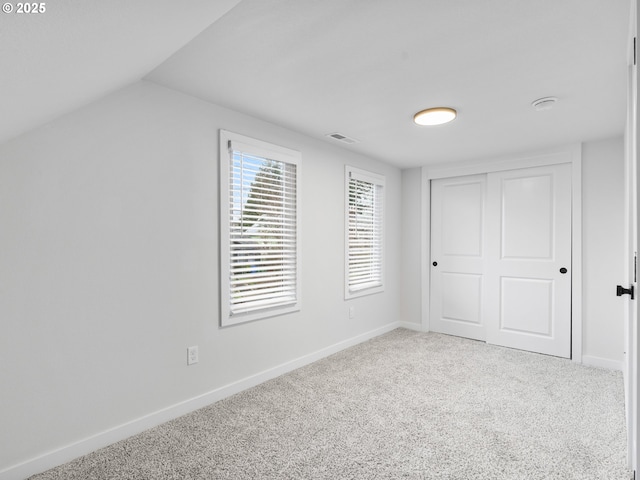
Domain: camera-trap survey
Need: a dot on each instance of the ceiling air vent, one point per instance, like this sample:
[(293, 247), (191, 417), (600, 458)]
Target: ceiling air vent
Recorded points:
[(342, 138)]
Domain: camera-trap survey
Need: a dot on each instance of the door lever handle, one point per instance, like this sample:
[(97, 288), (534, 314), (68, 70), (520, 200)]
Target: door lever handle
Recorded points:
[(625, 291)]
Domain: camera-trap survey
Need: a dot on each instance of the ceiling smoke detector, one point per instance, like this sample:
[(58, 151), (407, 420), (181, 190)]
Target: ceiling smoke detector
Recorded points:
[(545, 103)]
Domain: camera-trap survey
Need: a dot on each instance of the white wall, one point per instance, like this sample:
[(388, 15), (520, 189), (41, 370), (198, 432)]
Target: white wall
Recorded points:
[(109, 270), (603, 252), (412, 222)]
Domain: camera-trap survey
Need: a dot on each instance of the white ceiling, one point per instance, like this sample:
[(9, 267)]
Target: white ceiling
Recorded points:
[(80, 50), (358, 67)]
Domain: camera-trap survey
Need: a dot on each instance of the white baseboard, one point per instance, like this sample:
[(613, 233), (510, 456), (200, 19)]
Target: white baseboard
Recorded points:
[(602, 363), (87, 445), (411, 326)]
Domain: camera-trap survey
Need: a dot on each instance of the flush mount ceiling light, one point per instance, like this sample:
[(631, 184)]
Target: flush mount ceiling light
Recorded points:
[(435, 116), (545, 103)]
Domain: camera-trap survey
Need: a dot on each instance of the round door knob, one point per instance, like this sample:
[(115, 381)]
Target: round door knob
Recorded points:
[(435, 264), (563, 270)]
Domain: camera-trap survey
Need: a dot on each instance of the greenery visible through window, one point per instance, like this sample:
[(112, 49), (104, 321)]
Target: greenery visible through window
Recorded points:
[(259, 206), (364, 226)]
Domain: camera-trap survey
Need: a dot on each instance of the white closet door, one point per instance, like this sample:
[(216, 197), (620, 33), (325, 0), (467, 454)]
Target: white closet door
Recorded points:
[(458, 256), (528, 276)]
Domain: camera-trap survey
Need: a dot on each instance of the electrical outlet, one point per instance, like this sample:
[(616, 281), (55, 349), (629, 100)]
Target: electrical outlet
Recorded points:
[(352, 312), (192, 355)]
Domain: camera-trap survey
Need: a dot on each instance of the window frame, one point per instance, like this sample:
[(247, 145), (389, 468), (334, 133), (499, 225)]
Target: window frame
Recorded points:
[(377, 180), (267, 151)]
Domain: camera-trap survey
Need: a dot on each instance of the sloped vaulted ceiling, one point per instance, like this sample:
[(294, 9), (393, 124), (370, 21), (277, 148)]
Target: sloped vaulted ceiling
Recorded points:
[(79, 50)]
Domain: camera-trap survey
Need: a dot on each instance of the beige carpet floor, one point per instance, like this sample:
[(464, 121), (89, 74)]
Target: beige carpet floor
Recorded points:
[(405, 405)]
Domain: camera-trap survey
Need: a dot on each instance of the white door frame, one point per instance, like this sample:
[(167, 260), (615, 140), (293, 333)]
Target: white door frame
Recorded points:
[(632, 331), (569, 154), (631, 313)]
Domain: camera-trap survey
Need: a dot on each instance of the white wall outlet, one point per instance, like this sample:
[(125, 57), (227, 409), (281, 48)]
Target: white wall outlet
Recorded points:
[(192, 355), (352, 312)]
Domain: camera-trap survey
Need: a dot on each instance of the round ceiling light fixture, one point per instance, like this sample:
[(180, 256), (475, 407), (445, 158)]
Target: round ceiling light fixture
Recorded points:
[(435, 116), (545, 103)]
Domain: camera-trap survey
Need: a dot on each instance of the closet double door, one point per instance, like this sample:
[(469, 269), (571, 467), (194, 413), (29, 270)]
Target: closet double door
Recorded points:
[(501, 258)]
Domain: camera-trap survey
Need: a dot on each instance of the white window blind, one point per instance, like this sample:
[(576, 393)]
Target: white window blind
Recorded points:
[(365, 216), (261, 215)]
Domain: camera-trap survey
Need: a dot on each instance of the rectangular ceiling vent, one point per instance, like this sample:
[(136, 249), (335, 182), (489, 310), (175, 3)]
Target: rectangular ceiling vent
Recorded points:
[(342, 138)]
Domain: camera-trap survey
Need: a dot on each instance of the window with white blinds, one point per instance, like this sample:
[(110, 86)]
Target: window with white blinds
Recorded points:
[(260, 255), (364, 258)]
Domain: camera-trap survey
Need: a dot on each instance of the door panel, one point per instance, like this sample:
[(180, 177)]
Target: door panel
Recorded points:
[(457, 248), (526, 306), (462, 230), (527, 205), (461, 285), (529, 241)]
